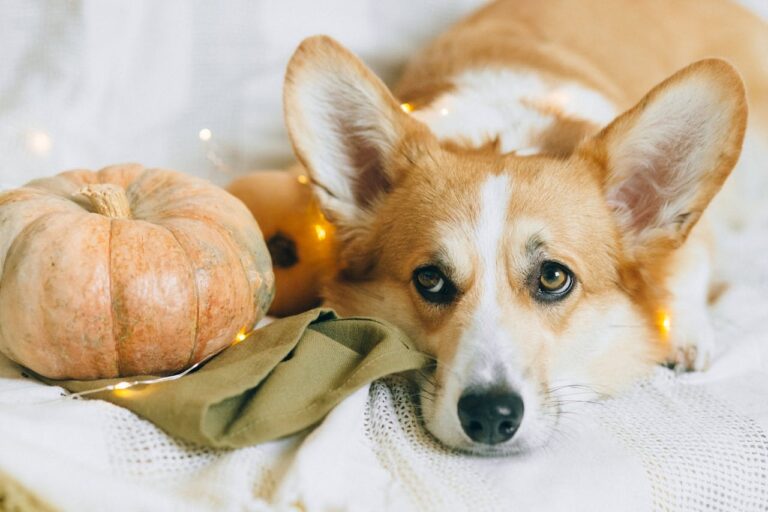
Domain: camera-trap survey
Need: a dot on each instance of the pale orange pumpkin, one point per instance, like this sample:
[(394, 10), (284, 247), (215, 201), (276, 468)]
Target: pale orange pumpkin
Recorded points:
[(299, 238), (126, 271)]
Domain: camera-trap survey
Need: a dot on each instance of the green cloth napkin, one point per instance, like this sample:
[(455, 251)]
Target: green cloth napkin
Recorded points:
[(281, 379)]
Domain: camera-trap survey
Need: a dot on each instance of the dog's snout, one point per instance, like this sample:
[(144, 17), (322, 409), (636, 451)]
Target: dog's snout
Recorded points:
[(490, 417)]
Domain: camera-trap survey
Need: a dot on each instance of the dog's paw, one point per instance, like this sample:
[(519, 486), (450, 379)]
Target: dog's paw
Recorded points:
[(692, 345)]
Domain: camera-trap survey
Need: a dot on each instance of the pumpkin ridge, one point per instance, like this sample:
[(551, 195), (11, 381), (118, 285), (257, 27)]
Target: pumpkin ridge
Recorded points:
[(197, 295), (237, 249), (112, 299)]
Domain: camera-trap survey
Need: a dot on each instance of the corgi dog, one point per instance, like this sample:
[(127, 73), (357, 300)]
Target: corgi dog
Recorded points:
[(527, 204)]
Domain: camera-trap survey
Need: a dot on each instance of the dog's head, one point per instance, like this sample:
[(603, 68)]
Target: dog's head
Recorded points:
[(525, 277)]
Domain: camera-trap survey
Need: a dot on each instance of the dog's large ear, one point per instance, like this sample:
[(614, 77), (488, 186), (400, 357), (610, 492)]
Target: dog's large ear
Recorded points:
[(345, 127), (664, 160)]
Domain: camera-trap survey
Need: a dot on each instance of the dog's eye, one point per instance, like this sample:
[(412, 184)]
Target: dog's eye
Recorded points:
[(555, 281), (432, 284)]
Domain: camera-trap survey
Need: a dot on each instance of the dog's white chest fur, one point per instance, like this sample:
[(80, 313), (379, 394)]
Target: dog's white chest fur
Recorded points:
[(513, 106)]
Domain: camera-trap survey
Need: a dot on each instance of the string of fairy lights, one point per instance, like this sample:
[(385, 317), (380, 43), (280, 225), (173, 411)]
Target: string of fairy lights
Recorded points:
[(125, 385)]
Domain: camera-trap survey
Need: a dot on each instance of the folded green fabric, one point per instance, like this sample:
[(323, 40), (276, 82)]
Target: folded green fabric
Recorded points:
[(283, 378)]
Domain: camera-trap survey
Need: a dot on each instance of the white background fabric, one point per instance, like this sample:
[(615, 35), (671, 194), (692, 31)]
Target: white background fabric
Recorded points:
[(91, 83), (88, 83)]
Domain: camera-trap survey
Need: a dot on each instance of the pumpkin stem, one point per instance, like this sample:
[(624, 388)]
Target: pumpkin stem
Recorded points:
[(107, 199)]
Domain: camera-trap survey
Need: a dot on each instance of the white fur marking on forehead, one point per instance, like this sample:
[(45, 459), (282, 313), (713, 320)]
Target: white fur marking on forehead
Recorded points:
[(491, 225), (480, 344), (481, 237)]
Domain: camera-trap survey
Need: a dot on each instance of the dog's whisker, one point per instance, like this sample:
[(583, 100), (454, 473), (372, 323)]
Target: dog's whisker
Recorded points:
[(571, 402), (427, 377), (563, 386), (576, 393)]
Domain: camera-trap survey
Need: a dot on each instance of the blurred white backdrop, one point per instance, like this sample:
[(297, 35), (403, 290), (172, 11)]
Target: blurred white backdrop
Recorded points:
[(191, 85)]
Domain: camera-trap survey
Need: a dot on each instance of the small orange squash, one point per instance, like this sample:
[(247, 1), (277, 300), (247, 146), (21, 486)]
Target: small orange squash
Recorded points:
[(300, 240), (126, 271)]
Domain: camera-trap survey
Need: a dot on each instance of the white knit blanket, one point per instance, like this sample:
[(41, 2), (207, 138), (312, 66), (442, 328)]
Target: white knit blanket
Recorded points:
[(695, 442)]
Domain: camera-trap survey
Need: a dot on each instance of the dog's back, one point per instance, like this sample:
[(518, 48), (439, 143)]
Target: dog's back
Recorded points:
[(619, 48)]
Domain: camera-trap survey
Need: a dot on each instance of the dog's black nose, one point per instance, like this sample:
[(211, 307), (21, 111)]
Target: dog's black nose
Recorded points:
[(490, 417)]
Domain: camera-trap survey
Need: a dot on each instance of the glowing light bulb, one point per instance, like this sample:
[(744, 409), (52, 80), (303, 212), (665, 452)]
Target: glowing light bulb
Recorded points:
[(39, 142), (443, 111), (320, 232), (664, 322), (205, 134), (240, 336), (302, 179), (406, 107)]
